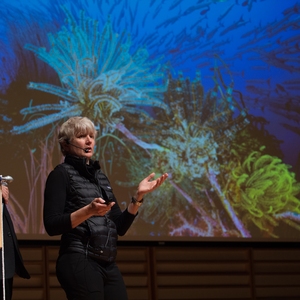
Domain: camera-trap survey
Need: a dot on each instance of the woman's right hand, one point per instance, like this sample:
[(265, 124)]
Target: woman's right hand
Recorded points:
[(98, 207)]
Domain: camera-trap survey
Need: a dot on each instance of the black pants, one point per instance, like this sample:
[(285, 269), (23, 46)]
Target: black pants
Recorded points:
[(8, 288), (83, 278)]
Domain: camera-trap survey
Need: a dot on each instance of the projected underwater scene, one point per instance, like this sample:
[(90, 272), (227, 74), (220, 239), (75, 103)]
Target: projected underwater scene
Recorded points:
[(207, 90)]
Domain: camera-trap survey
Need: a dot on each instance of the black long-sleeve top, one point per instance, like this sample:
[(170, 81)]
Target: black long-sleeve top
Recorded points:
[(56, 221)]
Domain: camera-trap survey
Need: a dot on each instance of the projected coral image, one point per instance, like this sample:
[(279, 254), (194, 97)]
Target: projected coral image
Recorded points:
[(206, 90)]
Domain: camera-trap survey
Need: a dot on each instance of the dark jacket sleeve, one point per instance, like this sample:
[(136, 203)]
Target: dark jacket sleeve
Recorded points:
[(10, 240)]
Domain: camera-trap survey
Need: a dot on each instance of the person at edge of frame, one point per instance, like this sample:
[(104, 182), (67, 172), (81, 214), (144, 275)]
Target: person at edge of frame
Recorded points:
[(13, 261), (79, 205)]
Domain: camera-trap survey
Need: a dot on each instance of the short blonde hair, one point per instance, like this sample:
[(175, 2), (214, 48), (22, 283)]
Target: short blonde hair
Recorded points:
[(73, 127)]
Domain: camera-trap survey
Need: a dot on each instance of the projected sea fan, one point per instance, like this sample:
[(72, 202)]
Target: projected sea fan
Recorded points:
[(99, 76), (191, 136), (198, 126)]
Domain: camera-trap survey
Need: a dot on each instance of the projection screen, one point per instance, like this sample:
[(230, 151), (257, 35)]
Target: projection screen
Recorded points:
[(206, 90)]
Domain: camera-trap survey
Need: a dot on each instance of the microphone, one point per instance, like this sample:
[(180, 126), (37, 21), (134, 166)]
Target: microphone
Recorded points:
[(84, 149), (5, 179)]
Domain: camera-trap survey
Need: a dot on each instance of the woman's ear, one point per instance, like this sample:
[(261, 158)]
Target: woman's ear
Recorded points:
[(64, 146)]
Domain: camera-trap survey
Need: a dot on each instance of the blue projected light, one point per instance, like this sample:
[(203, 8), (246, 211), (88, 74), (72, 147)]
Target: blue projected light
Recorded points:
[(207, 91)]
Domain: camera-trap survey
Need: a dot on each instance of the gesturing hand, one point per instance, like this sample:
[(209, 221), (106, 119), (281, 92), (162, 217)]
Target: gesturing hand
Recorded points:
[(147, 186)]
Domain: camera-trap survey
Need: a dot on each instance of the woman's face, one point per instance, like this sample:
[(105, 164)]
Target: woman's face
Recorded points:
[(81, 145)]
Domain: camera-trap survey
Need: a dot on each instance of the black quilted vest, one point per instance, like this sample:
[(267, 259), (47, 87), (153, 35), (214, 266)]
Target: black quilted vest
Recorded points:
[(97, 236)]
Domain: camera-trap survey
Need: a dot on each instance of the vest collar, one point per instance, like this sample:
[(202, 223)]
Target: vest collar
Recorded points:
[(79, 163)]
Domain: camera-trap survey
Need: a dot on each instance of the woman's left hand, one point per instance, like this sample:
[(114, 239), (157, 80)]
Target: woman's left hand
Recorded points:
[(147, 185)]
